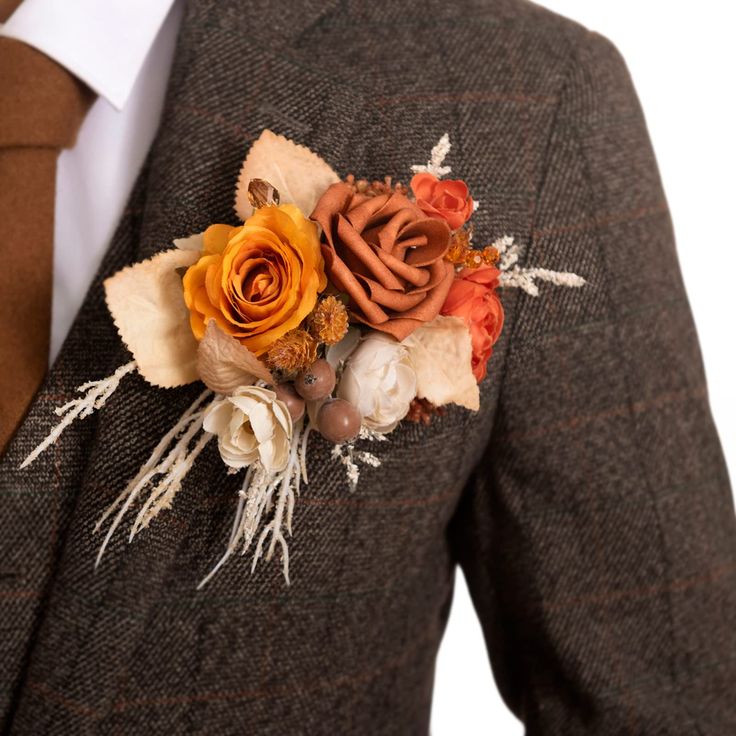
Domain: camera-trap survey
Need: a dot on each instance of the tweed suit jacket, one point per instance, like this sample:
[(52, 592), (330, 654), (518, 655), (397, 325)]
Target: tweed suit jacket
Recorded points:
[(587, 501)]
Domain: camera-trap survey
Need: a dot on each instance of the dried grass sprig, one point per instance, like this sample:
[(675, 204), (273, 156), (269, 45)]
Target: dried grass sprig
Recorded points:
[(171, 459), (437, 158), (513, 275), (256, 498), (96, 393)]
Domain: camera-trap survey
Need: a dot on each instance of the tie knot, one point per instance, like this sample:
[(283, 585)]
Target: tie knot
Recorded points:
[(41, 103)]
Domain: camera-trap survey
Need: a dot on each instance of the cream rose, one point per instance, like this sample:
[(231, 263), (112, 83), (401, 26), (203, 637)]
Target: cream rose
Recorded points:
[(379, 380), (251, 425)]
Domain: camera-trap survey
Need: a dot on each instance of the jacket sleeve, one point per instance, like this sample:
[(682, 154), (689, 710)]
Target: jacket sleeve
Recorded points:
[(597, 534)]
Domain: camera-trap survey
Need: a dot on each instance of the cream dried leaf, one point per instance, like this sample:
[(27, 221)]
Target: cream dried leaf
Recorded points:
[(299, 175), (193, 242), (441, 353), (146, 302), (224, 364)]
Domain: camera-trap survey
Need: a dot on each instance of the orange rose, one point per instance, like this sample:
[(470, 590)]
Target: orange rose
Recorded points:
[(443, 199), (259, 280), (473, 298)]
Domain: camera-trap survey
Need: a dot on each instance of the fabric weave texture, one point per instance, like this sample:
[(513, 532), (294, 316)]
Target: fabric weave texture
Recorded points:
[(587, 502)]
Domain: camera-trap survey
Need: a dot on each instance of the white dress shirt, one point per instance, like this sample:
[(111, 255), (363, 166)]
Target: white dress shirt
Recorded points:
[(123, 50)]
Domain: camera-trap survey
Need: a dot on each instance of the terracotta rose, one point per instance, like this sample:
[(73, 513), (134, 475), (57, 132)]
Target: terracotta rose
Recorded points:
[(387, 255)]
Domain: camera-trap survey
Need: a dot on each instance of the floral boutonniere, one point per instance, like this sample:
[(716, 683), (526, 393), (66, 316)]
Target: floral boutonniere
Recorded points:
[(338, 306)]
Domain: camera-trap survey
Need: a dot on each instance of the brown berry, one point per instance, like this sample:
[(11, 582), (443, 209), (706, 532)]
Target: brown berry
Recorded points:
[(317, 382), (338, 421), (294, 403)]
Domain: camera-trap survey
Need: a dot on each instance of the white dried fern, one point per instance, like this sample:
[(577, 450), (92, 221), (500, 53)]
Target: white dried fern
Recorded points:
[(437, 158), (168, 464), (515, 276), (349, 456), (256, 498), (96, 393)]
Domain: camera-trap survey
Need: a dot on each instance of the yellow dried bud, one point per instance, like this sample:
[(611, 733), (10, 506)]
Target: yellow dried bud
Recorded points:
[(329, 321), (295, 351)]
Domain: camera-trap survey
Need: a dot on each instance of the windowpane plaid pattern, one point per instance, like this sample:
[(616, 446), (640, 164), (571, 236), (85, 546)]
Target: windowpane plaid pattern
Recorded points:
[(587, 501)]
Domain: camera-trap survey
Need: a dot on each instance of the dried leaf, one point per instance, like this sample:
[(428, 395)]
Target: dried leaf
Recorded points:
[(441, 354), (300, 175), (193, 242), (146, 302), (224, 364)]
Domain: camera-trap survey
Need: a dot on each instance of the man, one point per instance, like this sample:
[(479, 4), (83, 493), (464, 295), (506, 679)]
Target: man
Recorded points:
[(587, 501)]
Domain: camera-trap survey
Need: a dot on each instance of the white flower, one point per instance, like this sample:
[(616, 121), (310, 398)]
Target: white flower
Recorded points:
[(251, 424), (378, 379)]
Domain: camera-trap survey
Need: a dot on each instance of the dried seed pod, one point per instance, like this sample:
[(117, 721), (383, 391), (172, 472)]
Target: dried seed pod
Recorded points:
[(338, 421), (317, 382), (294, 403)]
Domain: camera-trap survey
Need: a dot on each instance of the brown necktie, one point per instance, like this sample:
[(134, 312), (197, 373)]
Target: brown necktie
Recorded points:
[(41, 108)]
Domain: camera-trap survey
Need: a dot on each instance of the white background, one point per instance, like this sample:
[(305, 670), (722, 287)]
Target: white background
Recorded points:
[(683, 60)]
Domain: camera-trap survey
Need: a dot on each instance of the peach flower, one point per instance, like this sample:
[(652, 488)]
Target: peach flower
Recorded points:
[(257, 281), (443, 199), (473, 299)]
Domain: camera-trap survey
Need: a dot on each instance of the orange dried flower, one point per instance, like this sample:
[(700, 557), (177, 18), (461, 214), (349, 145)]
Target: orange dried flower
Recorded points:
[(295, 351), (443, 199), (258, 280), (329, 321), (474, 300)]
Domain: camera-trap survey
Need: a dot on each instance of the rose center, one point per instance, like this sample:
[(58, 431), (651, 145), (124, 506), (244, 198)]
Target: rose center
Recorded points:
[(259, 281)]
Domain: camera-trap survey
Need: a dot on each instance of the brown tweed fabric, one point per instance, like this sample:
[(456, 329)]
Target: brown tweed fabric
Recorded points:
[(587, 502)]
